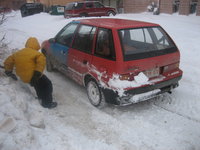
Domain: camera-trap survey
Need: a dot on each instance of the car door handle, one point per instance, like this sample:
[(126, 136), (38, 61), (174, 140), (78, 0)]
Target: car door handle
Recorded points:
[(85, 62)]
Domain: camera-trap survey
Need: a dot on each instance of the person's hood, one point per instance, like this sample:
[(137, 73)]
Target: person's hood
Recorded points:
[(32, 43)]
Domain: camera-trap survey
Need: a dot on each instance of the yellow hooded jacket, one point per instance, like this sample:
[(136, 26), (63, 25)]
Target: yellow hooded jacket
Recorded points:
[(26, 60)]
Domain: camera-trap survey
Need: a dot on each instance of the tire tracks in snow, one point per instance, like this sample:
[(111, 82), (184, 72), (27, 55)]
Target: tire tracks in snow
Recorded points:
[(177, 113), (170, 99)]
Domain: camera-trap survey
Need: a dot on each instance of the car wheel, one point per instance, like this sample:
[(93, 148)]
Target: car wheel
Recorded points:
[(95, 94), (111, 13)]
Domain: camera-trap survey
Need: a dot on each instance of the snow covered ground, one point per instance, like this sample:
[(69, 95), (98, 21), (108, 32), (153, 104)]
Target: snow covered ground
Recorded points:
[(171, 122)]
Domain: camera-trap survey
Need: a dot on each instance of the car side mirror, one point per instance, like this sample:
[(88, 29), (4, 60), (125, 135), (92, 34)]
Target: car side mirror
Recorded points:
[(52, 40)]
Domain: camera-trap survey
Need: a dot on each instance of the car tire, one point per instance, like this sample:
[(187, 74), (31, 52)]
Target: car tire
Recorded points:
[(95, 94), (111, 13)]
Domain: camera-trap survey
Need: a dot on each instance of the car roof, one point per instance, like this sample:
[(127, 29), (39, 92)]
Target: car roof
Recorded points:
[(115, 23)]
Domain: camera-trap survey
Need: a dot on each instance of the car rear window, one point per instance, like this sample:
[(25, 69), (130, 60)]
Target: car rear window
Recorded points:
[(139, 43)]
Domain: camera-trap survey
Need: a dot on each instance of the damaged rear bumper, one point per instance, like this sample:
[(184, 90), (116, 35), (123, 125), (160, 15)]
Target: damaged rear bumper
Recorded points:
[(140, 94)]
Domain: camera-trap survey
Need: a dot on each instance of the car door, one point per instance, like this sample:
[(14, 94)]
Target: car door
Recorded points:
[(80, 55), (99, 9), (89, 8), (104, 59), (61, 46)]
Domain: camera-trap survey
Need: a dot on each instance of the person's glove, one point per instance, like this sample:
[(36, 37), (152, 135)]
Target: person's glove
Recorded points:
[(35, 78), (10, 74)]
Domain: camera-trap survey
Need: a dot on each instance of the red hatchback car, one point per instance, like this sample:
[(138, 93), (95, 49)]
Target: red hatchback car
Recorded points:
[(88, 8), (118, 61)]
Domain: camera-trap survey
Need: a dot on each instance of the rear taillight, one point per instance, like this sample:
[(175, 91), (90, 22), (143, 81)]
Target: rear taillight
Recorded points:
[(170, 67)]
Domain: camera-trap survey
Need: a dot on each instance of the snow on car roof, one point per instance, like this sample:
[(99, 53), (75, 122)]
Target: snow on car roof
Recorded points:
[(115, 23)]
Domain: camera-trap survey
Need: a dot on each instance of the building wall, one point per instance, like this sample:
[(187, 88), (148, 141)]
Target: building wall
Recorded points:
[(134, 6), (166, 6), (117, 4), (184, 8), (13, 4), (32, 1), (198, 8), (129, 6), (64, 2), (48, 3)]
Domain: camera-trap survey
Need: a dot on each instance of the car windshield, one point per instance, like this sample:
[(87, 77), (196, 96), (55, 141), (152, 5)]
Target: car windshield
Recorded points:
[(138, 43)]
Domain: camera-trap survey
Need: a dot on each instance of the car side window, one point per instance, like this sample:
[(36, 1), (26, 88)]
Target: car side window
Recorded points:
[(83, 40), (98, 5), (104, 44), (89, 5), (78, 5), (65, 36)]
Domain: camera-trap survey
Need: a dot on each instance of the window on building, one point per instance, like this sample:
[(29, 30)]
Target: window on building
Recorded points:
[(193, 6), (176, 4)]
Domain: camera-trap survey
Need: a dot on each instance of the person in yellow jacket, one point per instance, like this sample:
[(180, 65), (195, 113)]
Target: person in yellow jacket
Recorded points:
[(29, 65)]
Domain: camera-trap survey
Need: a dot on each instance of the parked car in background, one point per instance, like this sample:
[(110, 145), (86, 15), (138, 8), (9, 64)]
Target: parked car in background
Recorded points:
[(57, 10), (88, 8), (118, 61), (4, 9), (28, 9)]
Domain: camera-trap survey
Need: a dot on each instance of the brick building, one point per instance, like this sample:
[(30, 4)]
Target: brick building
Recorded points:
[(49, 3), (135, 6), (182, 7), (14, 4), (198, 8), (113, 3)]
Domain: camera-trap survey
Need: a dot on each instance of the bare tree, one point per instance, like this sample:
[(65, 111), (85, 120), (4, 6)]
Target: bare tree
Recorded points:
[(2, 20), (3, 44)]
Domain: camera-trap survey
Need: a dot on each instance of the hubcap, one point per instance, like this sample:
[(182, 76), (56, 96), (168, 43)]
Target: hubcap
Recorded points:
[(111, 14), (93, 93)]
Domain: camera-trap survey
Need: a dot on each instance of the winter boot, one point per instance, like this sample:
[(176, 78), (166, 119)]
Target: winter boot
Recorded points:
[(50, 105)]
